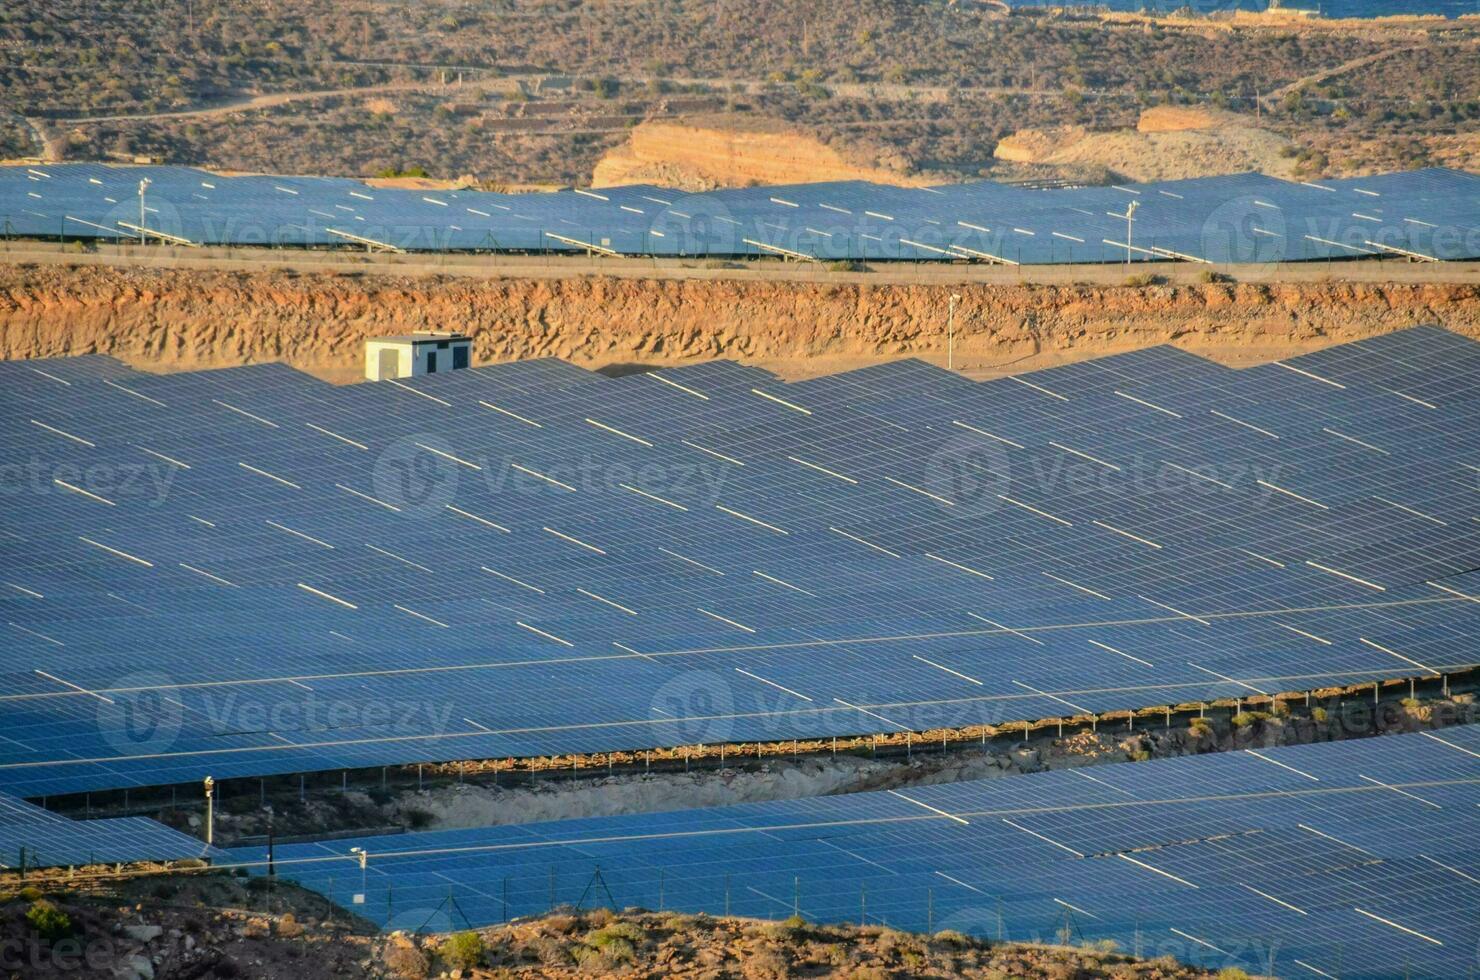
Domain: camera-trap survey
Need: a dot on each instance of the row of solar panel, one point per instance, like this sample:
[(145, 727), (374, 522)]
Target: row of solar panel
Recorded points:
[(31, 837), (1432, 214), (1350, 859), (248, 571)]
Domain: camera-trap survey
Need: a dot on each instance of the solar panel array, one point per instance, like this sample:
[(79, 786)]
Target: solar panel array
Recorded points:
[(248, 571), (31, 837), (1432, 214), (1347, 859)]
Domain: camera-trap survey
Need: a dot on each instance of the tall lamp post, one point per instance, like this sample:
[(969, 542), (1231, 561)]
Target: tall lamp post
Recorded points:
[(951, 332), (143, 186), (210, 785), (1130, 217), (364, 857)]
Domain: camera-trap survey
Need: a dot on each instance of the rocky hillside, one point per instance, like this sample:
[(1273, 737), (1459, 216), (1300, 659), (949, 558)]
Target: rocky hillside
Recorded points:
[(174, 319), (200, 925)]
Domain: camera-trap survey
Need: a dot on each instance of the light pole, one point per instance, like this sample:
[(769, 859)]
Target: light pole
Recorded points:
[(951, 332), (364, 857), (143, 186), (1130, 216), (210, 811)]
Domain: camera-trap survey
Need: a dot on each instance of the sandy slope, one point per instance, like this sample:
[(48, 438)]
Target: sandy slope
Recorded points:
[(171, 319)]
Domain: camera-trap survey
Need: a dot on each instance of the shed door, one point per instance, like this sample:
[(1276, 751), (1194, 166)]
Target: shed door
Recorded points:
[(389, 363)]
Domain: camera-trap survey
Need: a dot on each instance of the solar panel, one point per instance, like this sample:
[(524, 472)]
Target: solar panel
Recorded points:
[(1337, 859), (1426, 214), (247, 571), (32, 837)]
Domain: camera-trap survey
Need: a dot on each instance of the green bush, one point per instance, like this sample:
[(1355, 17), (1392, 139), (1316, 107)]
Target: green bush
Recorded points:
[(463, 950), (49, 921), (1318, 713), (1245, 718), (617, 931)]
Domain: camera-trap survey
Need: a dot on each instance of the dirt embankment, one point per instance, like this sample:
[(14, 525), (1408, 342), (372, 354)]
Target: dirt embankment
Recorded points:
[(1168, 143), (698, 156), (187, 319)]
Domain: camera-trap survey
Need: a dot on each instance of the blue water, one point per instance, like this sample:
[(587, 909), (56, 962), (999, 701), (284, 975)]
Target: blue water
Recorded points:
[(1329, 8)]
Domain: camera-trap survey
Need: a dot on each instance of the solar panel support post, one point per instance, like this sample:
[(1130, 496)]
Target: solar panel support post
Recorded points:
[(796, 895), (930, 911)]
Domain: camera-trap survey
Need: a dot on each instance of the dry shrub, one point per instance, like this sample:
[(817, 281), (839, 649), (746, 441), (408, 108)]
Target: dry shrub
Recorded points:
[(288, 927), (405, 961), (560, 925), (766, 963)]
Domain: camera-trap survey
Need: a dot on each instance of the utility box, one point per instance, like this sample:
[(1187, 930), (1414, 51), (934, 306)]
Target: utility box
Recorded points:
[(412, 355)]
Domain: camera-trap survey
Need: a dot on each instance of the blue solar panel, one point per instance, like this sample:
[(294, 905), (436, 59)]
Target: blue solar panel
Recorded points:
[(248, 571), (1430, 214), (31, 837), (1337, 859)]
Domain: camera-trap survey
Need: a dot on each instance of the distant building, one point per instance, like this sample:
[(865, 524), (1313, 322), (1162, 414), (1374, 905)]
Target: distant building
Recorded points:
[(412, 355)]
